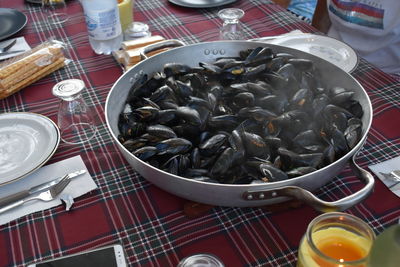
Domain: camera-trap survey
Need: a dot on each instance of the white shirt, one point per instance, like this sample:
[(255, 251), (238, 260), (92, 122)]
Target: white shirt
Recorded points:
[(371, 27)]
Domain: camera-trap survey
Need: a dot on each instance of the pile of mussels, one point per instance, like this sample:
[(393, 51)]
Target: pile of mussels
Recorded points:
[(258, 117)]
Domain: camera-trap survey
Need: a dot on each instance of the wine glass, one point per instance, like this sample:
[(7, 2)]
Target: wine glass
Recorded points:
[(231, 27)]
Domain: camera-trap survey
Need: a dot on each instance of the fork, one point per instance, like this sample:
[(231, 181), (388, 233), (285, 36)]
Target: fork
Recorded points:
[(47, 195), (8, 46)]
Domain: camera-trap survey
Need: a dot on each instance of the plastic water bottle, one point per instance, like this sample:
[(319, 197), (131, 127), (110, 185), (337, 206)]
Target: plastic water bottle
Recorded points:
[(103, 24)]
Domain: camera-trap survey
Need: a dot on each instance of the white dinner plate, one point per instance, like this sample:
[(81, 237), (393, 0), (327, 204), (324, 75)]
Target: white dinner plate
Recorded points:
[(27, 141), (330, 49)]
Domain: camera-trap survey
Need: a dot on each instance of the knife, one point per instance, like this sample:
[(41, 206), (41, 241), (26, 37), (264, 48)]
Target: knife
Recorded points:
[(393, 176), (11, 52), (35, 189)]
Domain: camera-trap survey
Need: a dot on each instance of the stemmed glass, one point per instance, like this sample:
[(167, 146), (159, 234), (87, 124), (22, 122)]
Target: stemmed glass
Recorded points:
[(75, 119), (231, 27)]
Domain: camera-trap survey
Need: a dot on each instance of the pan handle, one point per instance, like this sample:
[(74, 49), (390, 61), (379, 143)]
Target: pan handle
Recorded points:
[(160, 45), (318, 204)]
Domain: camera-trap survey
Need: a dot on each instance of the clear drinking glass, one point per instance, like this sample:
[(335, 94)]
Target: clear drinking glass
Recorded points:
[(136, 30), (75, 119), (55, 11), (201, 260), (336, 239), (231, 27)]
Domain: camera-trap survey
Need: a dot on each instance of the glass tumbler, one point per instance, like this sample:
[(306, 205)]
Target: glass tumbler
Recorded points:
[(55, 11), (231, 27), (75, 119), (136, 30), (336, 239), (201, 260)]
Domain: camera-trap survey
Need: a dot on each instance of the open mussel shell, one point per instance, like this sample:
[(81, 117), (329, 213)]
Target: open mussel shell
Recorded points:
[(204, 190)]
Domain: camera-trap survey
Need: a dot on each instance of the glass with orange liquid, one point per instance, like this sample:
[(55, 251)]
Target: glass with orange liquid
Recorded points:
[(336, 239)]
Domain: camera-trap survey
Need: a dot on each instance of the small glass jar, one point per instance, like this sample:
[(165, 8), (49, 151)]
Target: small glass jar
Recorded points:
[(336, 239)]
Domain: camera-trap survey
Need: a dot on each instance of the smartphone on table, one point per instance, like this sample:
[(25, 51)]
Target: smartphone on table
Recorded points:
[(110, 256)]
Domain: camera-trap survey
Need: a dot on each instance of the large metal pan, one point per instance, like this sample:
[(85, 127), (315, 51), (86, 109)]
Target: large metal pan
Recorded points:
[(244, 195)]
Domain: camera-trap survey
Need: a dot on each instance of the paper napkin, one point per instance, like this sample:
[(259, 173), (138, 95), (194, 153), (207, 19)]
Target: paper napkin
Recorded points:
[(386, 167), (78, 186)]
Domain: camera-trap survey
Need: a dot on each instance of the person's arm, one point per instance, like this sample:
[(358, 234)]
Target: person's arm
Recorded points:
[(321, 19)]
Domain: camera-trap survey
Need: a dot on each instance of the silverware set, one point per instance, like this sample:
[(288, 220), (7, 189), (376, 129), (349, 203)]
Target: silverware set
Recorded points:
[(4, 49), (45, 192)]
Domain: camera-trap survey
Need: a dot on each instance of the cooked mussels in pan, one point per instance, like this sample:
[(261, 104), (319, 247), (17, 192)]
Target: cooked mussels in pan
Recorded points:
[(260, 116)]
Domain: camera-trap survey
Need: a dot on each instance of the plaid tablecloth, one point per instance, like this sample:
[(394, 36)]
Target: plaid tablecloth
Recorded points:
[(150, 223)]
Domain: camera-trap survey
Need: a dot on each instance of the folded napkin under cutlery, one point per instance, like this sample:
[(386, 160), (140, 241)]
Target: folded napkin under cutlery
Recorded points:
[(78, 186), (18, 48), (389, 173)]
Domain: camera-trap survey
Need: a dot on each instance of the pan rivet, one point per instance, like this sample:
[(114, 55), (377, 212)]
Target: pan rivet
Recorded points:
[(261, 195), (207, 52), (131, 80), (249, 197), (274, 194), (215, 52), (222, 51)]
